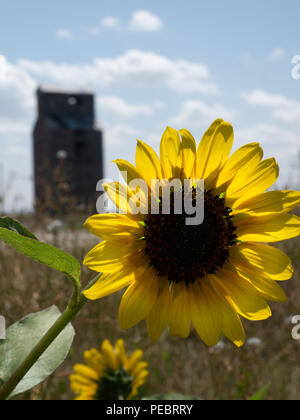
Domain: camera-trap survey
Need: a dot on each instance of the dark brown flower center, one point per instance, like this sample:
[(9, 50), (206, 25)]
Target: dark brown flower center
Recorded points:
[(184, 252)]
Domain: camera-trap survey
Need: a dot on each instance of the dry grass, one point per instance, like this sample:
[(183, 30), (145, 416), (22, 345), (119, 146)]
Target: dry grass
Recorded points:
[(184, 366)]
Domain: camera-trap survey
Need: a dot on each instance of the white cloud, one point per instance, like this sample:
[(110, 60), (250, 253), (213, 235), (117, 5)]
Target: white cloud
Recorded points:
[(64, 33), (93, 30), (110, 22), (283, 109), (121, 134), (263, 98), (141, 21), (276, 54), (11, 125), (278, 142), (145, 21), (16, 97), (159, 104), (154, 139), (133, 68), (120, 108), (196, 113), (18, 151), (270, 135)]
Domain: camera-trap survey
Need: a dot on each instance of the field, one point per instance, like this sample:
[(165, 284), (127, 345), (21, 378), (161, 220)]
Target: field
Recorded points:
[(270, 355)]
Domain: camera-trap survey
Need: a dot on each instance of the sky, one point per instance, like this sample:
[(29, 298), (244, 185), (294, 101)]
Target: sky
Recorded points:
[(152, 64)]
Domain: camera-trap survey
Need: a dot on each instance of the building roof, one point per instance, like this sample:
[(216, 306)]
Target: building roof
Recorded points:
[(67, 90)]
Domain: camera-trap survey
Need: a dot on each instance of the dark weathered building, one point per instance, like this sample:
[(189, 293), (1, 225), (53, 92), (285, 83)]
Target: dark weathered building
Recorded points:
[(68, 157)]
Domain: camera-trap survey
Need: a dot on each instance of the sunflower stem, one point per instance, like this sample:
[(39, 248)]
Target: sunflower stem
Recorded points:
[(75, 305)]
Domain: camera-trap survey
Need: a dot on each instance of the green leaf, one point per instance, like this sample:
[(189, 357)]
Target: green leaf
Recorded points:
[(258, 396), (21, 338), (13, 225), (19, 238), (171, 396)]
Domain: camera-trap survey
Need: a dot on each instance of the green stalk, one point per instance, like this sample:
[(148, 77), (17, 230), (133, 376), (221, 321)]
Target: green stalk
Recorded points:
[(75, 305)]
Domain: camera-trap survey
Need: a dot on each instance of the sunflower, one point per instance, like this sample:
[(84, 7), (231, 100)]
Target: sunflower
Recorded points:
[(206, 275), (109, 374)]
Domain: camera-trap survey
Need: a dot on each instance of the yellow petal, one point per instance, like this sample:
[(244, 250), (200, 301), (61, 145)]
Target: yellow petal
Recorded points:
[(204, 148), (179, 314), (268, 288), (263, 258), (251, 184), (264, 204), (147, 162), (205, 312), (139, 367), (242, 160), (82, 385), (140, 378), (188, 154), (108, 354), (121, 354), (115, 226), (110, 283), (138, 299), (80, 382), (134, 359), (158, 316), (213, 151), (232, 326), (93, 359), (138, 381), (86, 372), (86, 396), (268, 229), (170, 153), (129, 169), (107, 256), (126, 199), (241, 295)]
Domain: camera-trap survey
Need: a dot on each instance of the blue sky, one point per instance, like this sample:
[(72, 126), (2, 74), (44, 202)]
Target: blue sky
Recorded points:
[(152, 64)]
